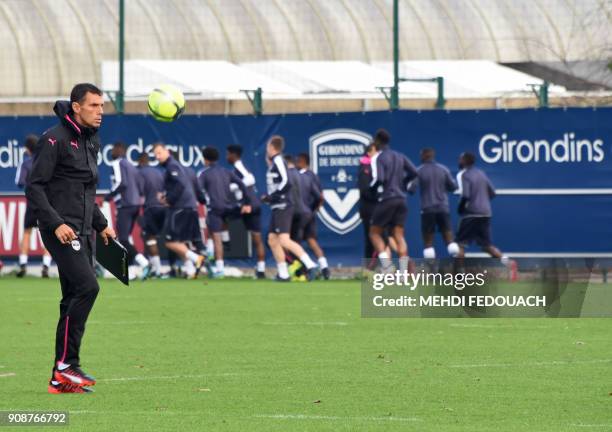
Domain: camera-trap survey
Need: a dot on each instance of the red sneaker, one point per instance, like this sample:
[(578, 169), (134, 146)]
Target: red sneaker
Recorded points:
[(55, 387), (73, 375)]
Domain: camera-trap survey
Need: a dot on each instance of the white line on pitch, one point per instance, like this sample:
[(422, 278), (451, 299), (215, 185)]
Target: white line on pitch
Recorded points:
[(5, 375), (147, 413), (152, 378), (548, 363), (321, 417), (309, 323), (494, 326), (609, 425), (265, 416), (120, 322)]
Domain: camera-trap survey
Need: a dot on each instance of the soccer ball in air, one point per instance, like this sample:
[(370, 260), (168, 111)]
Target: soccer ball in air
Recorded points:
[(166, 103)]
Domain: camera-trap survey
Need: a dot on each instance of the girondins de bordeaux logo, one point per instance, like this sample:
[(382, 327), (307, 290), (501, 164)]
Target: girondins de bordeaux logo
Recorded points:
[(335, 156)]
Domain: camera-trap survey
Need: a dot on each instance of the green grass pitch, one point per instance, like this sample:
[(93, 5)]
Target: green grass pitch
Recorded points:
[(241, 355)]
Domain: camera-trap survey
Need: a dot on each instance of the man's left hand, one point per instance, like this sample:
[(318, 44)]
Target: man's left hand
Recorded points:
[(107, 233)]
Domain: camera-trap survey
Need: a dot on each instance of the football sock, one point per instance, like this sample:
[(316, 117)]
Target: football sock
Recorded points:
[(141, 260), (384, 259), (429, 253), (220, 265), (155, 263), (192, 256), (282, 270), (307, 261)]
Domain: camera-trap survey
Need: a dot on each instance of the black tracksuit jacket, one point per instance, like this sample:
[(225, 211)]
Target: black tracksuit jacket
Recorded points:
[(62, 187)]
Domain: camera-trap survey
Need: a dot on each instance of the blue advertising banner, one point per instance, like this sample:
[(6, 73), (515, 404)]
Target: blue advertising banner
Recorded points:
[(552, 167)]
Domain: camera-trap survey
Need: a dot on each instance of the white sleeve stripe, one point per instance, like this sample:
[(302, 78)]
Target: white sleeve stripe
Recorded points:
[(18, 174), (374, 169), (247, 178), (459, 183), (117, 174), (278, 161)]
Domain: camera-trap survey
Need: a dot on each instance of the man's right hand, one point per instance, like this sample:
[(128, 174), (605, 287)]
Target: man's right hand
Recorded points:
[(65, 234)]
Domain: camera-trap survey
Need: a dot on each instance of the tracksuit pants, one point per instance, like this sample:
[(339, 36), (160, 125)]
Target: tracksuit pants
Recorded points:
[(79, 291)]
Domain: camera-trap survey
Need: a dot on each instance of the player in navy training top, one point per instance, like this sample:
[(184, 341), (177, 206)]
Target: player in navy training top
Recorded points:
[(29, 221), (279, 199), (182, 223), (125, 192), (435, 182), (252, 220), (390, 172)]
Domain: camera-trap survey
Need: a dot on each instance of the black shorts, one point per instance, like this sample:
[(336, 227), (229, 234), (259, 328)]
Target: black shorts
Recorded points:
[(182, 224), (474, 229), (153, 220), (310, 230), (280, 221), (29, 220), (215, 220), (390, 213), (431, 221), (298, 225), (252, 221)]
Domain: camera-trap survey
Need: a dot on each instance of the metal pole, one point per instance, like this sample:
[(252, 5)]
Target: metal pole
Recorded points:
[(544, 95), (119, 105), (441, 101), (396, 78), (257, 101)]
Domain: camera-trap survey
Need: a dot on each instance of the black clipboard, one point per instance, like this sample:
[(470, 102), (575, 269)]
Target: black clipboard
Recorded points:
[(113, 257)]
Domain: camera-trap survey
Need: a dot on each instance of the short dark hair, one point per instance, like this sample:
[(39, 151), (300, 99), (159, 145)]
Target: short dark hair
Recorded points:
[(159, 144), (80, 90), (468, 158), (288, 158), (210, 153), (30, 142), (120, 144), (305, 157), (143, 157), (382, 137), (428, 152), (235, 149), (278, 143)]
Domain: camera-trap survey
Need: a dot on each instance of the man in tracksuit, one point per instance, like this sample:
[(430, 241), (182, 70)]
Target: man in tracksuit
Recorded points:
[(62, 192), (182, 222), (367, 197), (476, 192), (252, 220), (154, 213), (198, 242), (29, 220), (126, 193), (313, 198), (390, 172), (214, 182), (435, 182), (301, 213), (279, 198)]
